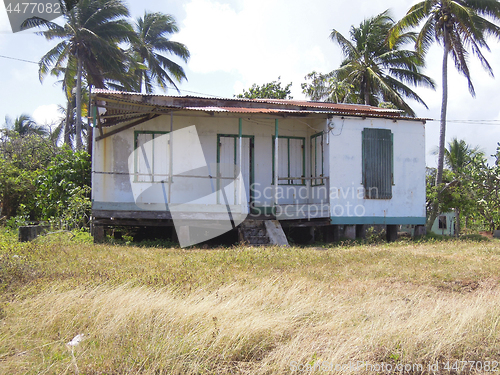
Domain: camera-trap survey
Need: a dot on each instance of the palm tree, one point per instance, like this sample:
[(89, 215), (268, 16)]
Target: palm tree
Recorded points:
[(379, 72), (24, 125), (89, 47), (151, 40), (459, 26), (459, 154)]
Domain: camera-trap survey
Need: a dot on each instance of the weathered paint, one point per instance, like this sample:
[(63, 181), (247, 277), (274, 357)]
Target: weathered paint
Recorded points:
[(342, 153), (348, 201)]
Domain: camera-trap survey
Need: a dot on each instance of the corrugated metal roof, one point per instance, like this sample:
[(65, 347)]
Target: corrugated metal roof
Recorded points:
[(125, 104)]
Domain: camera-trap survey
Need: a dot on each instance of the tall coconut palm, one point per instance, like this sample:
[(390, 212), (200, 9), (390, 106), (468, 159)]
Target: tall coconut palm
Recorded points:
[(25, 125), (89, 47), (146, 49), (379, 72), (459, 154), (459, 26)]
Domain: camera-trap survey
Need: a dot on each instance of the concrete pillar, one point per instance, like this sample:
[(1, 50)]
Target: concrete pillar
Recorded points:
[(392, 233), (27, 233), (350, 232), (361, 231), (420, 230), (331, 233), (30, 232)]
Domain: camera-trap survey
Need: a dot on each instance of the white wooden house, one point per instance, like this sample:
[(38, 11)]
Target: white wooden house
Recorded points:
[(157, 158)]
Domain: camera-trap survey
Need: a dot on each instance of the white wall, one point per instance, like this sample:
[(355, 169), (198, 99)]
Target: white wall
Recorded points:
[(343, 160), (408, 191), (112, 155)]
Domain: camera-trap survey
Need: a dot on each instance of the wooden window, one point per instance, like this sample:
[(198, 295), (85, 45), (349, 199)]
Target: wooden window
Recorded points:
[(378, 175), (291, 160), (151, 156), (317, 159)]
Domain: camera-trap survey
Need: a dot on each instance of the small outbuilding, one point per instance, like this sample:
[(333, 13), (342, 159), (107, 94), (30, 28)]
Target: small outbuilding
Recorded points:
[(208, 165)]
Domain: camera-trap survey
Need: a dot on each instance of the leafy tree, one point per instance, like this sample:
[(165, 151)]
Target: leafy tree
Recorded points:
[(22, 160), (89, 47), (63, 189), (455, 193), (327, 88), (271, 90), (483, 181), (379, 72), (151, 40), (459, 26)]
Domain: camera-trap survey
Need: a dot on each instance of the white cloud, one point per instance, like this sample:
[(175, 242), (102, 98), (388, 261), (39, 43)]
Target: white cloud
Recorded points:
[(46, 114), (252, 43)]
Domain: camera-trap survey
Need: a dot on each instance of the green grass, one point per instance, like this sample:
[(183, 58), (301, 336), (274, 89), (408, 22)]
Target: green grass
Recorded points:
[(153, 310)]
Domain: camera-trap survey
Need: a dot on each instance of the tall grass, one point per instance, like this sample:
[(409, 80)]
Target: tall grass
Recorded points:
[(248, 310)]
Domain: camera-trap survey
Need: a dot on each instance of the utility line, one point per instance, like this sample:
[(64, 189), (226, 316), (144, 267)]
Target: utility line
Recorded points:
[(471, 122), (481, 122), (14, 58)]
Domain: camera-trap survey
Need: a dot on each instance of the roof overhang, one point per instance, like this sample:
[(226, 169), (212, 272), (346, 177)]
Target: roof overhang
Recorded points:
[(115, 107)]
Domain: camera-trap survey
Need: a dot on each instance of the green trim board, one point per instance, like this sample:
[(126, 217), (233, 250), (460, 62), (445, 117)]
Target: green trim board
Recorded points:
[(151, 169), (289, 182), (381, 220)]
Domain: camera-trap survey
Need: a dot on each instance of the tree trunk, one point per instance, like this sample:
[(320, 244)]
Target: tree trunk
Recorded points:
[(431, 218), (69, 120), (457, 219), (444, 105), (78, 135), (366, 93)]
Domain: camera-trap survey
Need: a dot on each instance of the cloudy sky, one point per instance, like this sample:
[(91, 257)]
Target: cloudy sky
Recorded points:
[(235, 43)]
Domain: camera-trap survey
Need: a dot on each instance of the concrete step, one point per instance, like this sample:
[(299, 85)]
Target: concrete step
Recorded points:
[(257, 240), (259, 232), (262, 232)]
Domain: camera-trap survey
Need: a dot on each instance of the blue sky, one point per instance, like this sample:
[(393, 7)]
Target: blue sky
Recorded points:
[(235, 43)]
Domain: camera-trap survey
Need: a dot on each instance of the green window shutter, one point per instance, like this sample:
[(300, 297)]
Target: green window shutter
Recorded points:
[(377, 163)]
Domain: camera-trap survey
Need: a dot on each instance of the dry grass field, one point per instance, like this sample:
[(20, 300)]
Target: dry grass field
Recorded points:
[(406, 307)]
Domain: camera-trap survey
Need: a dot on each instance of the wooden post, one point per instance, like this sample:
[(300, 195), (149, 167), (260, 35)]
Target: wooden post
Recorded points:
[(391, 233), (97, 233), (240, 161), (275, 164)]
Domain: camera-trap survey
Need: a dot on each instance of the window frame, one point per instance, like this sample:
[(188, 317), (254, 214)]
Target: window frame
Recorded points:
[(154, 133), (289, 182), (314, 162)]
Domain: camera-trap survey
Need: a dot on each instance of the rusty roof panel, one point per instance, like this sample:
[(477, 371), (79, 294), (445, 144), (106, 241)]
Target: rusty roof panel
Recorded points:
[(127, 103)]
